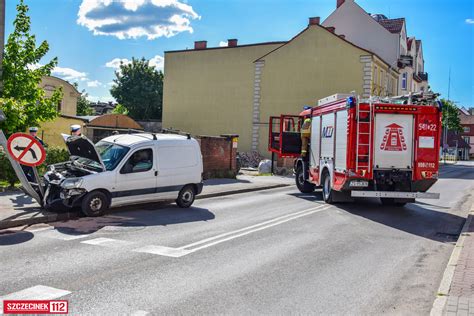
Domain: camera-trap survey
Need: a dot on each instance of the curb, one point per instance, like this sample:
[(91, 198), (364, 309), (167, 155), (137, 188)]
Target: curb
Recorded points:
[(54, 217), (443, 290)]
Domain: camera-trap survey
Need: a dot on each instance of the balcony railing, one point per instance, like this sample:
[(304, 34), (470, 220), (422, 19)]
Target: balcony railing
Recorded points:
[(423, 76), (405, 60)]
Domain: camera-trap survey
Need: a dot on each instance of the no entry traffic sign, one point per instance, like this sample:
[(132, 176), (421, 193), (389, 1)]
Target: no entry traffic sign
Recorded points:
[(26, 149)]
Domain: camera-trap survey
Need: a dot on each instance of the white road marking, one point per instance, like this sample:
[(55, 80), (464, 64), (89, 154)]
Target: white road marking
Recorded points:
[(253, 226), (212, 241), (139, 313), (163, 251), (38, 292), (107, 242)]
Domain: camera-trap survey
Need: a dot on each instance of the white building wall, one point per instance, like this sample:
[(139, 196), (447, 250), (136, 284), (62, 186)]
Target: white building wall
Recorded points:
[(361, 29)]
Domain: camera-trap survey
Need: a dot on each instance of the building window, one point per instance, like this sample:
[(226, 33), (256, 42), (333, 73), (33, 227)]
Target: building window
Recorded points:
[(466, 129), (404, 80)]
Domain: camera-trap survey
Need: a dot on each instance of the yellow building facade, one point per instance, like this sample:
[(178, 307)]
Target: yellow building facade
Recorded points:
[(229, 90), (51, 131)]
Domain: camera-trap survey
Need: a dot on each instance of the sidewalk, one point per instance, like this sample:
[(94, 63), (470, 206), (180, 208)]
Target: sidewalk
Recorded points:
[(458, 279), (18, 209)]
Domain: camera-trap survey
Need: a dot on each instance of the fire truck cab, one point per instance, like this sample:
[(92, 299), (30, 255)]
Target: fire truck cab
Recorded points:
[(384, 148)]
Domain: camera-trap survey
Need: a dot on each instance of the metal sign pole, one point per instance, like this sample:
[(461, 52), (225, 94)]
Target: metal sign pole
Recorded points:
[(38, 180)]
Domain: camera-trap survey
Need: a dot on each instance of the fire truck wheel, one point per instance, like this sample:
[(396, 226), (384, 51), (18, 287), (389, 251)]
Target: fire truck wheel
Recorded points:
[(303, 185), (327, 188)]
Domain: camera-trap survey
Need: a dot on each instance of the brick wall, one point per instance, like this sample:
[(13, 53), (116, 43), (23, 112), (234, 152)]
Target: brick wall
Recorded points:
[(219, 156)]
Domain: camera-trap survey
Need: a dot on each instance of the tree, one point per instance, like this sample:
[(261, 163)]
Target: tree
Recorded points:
[(83, 105), (451, 116), (120, 109), (22, 100), (139, 88)]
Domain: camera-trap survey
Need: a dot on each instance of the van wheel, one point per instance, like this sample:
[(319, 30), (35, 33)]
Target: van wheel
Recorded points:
[(303, 185), (186, 196), (328, 192), (94, 204)]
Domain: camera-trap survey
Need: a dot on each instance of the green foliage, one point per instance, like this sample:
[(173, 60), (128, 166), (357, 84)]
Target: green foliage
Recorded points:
[(120, 109), (139, 88), (7, 173), (83, 105), (451, 116), (53, 155), (22, 101)]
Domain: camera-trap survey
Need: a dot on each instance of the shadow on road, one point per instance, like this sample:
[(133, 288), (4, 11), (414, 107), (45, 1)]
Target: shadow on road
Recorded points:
[(421, 219), (465, 172), (145, 216), (13, 237)]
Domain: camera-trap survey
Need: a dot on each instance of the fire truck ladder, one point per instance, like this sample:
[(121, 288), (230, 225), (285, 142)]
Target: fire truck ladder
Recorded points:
[(367, 155)]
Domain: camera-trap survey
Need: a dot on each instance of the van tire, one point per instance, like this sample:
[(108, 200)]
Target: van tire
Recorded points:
[(94, 204), (186, 196), (328, 192), (303, 185)]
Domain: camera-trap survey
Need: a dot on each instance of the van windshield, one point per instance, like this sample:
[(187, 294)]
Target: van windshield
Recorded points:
[(111, 153)]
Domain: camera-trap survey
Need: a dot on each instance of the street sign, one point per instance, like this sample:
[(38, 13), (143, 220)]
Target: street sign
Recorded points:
[(26, 149)]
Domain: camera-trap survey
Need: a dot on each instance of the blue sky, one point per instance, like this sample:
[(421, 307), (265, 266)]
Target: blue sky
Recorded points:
[(88, 50)]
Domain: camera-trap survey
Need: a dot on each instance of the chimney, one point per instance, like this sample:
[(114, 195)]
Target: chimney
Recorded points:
[(200, 45), (331, 29), (232, 42), (339, 3), (314, 20), (342, 36)]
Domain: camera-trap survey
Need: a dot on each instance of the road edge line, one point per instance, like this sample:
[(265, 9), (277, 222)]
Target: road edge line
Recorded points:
[(445, 285)]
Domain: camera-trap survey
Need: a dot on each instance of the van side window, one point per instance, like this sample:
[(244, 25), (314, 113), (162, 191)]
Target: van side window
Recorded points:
[(140, 161)]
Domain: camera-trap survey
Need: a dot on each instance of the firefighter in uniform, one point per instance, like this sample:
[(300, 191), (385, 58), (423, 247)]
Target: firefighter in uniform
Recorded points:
[(305, 136)]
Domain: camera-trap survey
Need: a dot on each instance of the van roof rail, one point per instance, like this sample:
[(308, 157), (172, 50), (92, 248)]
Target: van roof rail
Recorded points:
[(175, 131)]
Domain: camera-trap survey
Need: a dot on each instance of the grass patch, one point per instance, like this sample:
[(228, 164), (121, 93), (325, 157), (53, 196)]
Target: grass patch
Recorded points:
[(265, 174)]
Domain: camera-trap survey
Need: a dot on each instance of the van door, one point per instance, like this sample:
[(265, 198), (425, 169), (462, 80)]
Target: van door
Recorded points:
[(177, 166), (136, 178)]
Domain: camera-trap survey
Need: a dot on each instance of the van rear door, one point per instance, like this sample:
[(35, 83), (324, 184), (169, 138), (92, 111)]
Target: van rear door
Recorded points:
[(393, 147)]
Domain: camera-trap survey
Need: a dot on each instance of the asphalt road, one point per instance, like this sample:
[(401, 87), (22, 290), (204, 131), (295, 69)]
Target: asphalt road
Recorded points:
[(268, 252)]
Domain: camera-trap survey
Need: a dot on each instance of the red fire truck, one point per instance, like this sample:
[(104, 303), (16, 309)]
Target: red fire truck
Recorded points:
[(385, 148)]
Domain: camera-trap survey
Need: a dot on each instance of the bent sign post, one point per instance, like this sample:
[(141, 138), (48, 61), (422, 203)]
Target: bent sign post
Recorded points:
[(28, 151)]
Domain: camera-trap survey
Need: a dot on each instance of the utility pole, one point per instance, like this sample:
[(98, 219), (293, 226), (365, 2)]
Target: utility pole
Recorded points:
[(445, 132)]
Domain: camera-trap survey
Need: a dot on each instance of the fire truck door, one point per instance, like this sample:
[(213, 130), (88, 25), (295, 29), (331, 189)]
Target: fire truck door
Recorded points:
[(393, 141)]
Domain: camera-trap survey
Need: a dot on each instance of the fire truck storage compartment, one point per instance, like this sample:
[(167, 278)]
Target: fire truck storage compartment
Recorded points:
[(285, 136), (315, 136), (327, 133), (341, 140), (393, 148)]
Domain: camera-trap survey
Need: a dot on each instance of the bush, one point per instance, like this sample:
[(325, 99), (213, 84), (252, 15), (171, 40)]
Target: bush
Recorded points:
[(53, 155), (6, 170)]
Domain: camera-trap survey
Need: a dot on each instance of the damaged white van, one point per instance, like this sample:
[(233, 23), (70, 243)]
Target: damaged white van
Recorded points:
[(125, 169)]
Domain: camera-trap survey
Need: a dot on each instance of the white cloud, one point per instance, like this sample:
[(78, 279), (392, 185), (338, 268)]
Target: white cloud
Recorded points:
[(69, 74), (136, 18), (94, 84), (470, 21), (157, 61), (223, 44), (115, 63)]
